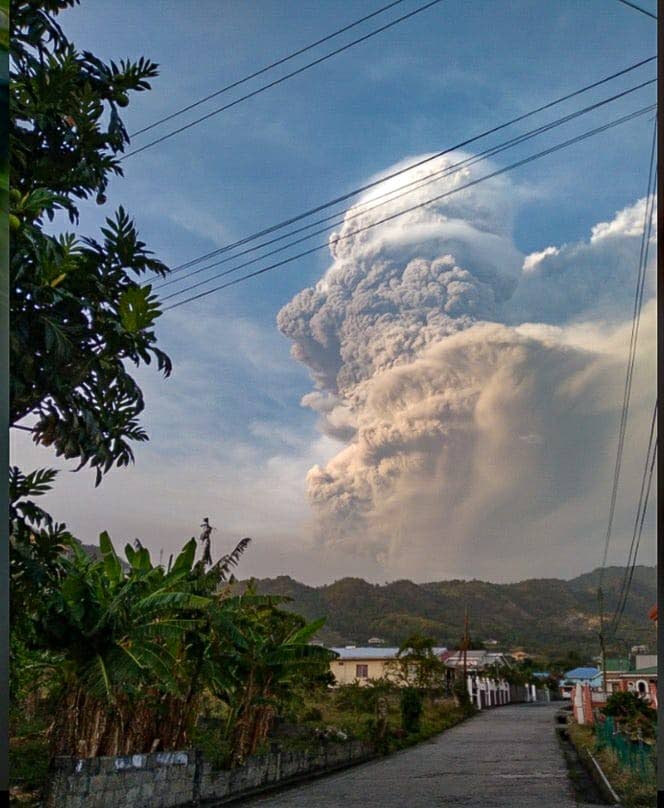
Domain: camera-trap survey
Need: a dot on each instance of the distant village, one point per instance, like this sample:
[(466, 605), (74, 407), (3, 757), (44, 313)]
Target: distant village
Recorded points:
[(587, 687)]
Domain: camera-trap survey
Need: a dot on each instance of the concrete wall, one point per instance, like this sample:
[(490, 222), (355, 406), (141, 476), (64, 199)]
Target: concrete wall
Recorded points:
[(160, 780), (173, 779)]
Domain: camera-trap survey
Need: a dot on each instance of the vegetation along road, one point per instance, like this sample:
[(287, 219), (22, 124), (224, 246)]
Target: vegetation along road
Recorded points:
[(504, 757)]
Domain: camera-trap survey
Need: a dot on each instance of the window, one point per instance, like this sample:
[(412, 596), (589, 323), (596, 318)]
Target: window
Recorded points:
[(362, 671)]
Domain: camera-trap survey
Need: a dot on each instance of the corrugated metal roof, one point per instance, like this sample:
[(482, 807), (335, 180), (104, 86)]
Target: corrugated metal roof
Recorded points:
[(582, 673), (371, 652)]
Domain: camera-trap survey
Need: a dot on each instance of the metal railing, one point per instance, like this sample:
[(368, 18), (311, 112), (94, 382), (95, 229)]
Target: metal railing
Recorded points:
[(638, 756)]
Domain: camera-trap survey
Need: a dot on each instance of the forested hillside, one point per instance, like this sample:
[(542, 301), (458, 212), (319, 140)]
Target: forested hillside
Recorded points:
[(542, 615)]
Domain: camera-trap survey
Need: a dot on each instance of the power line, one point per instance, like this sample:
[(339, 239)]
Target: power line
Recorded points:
[(638, 539), (631, 357), (638, 8), (280, 80), (524, 161), (265, 69), (636, 317), (368, 186), (646, 481), (394, 195)]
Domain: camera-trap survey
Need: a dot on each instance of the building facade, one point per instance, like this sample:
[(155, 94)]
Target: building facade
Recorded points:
[(360, 665)]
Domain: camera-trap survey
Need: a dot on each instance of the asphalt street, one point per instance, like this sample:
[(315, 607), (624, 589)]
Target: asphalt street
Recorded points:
[(508, 756)]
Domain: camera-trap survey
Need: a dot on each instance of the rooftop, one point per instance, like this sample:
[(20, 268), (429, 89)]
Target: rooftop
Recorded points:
[(372, 652), (582, 673)]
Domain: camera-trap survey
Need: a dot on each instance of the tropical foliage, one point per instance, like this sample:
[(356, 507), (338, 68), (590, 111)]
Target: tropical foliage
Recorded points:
[(633, 715), (80, 308), (131, 652), (417, 665)]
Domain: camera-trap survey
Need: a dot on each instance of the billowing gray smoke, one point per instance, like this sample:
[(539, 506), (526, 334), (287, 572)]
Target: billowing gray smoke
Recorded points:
[(461, 426)]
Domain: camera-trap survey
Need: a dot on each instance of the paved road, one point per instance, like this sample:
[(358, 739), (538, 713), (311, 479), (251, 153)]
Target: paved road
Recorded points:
[(508, 756)]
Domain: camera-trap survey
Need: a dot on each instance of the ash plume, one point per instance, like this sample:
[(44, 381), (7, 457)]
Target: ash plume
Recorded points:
[(473, 389)]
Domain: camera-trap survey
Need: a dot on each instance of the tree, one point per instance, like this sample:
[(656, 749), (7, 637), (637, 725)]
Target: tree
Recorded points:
[(79, 307), (632, 713), (416, 664), (263, 657)]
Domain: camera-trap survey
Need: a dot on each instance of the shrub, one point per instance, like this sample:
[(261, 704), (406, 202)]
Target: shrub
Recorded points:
[(313, 714), (411, 709)]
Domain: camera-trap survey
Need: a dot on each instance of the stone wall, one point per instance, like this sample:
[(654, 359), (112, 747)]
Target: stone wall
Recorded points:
[(172, 779)]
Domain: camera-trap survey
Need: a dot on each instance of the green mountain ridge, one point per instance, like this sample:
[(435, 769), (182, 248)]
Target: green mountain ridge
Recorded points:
[(547, 616)]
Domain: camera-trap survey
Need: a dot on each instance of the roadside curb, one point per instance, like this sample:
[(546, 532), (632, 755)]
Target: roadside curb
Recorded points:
[(606, 785), (594, 769)]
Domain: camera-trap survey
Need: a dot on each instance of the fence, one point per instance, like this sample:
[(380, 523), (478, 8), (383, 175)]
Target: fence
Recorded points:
[(637, 756)]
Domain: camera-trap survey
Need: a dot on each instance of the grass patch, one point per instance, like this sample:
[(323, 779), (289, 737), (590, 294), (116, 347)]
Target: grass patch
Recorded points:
[(634, 790), (353, 711), (28, 768)]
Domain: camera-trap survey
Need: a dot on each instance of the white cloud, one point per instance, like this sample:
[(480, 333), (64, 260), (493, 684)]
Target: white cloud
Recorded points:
[(532, 260)]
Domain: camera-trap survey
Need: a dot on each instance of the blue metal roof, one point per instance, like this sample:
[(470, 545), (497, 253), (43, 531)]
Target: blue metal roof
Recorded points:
[(582, 673)]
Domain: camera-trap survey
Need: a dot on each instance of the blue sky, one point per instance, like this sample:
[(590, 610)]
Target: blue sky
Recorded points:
[(232, 409)]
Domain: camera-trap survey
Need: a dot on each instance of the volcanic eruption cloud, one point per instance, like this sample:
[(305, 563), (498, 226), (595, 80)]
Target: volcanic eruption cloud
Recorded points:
[(474, 391)]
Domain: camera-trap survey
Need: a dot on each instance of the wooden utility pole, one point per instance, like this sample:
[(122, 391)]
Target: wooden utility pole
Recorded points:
[(465, 646), (600, 595)]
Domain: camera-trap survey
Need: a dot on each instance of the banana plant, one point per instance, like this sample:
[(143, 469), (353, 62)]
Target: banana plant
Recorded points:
[(128, 641)]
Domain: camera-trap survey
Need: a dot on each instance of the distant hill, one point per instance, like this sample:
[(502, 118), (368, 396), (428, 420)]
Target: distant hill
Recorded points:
[(546, 616)]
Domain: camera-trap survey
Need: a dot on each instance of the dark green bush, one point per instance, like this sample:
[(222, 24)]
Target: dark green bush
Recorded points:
[(411, 709), (461, 694), (313, 714)]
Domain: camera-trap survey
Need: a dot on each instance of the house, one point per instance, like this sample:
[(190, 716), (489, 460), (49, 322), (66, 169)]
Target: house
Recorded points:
[(476, 661), (364, 663), (614, 668), (635, 675), (582, 676), (643, 682)]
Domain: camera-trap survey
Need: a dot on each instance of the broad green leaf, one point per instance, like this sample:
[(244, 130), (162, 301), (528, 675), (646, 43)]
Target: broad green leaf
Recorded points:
[(112, 563)]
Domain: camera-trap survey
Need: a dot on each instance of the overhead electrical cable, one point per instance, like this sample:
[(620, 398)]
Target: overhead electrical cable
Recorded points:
[(368, 186), (280, 80), (631, 355), (638, 8), (640, 533), (631, 358), (524, 161), (640, 513), (265, 69), (642, 505), (393, 195)]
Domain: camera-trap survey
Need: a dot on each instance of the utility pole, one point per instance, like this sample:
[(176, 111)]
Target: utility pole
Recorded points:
[(465, 646), (600, 597)]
